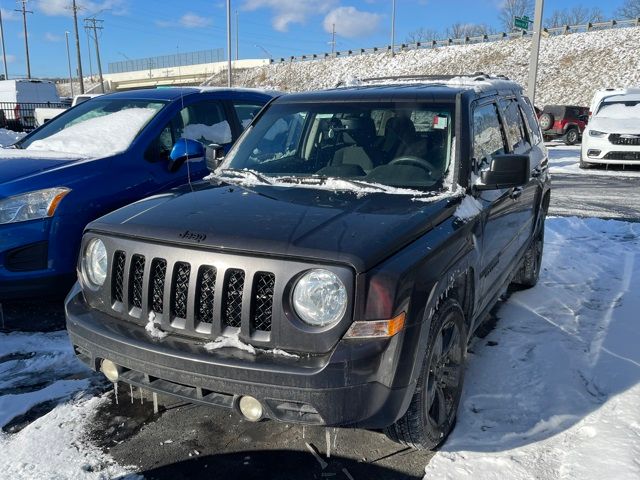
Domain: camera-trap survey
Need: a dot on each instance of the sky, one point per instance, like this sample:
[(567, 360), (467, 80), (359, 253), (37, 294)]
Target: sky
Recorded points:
[(279, 28)]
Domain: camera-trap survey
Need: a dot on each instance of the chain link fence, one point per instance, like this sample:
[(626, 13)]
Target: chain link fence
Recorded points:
[(168, 61)]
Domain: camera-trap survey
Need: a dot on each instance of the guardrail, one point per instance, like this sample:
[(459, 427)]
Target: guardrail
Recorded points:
[(555, 31), (20, 117)]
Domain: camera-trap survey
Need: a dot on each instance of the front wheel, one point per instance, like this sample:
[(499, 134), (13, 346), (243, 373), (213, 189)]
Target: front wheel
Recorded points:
[(584, 165), (432, 412), (572, 137)]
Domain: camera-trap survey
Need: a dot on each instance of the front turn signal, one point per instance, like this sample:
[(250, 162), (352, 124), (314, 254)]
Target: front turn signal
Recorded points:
[(376, 328)]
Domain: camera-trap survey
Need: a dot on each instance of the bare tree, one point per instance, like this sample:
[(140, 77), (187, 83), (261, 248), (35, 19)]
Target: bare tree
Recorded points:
[(423, 35), (574, 16), (514, 8), (629, 9), (463, 30)]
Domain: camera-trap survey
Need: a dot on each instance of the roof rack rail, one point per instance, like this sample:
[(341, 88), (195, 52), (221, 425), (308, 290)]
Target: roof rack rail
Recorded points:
[(478, 76)]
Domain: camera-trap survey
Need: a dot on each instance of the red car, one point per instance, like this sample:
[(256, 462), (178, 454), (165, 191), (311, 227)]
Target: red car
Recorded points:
[(563, 121)]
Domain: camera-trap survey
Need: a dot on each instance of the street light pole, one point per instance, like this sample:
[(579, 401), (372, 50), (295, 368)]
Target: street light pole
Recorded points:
[(393, 28), (66, 36), (229, 81), (535, 50), (4, 52)]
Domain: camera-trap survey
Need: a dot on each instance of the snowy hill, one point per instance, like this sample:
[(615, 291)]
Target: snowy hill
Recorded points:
[(572, 67)]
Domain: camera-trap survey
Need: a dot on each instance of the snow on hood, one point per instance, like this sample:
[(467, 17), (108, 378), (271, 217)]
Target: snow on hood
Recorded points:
[(97, 137), (9, 137)]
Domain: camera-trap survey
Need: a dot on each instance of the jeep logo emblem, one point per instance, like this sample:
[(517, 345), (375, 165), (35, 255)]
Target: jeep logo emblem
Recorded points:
[(196, 237)]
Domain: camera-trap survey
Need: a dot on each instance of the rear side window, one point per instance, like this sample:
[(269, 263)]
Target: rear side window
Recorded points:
[(488, 139), (532, 120), (514, 125)]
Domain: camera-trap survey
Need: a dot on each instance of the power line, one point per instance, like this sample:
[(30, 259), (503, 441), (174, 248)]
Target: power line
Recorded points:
[(94, 24), (24, 12)]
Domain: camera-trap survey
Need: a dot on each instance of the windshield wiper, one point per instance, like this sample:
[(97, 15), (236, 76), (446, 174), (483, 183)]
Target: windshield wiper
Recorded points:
[(321, 180), (244, 173)]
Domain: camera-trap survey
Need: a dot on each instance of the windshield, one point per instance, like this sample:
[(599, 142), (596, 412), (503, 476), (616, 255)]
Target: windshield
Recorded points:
[(620, 109), (96, 128), (404, 145)]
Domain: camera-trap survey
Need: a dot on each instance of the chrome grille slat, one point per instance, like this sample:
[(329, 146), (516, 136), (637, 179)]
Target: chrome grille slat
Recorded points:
[(618, 139)]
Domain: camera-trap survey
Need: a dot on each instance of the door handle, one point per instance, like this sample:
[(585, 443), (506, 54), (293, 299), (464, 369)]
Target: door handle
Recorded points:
[(516, 193)]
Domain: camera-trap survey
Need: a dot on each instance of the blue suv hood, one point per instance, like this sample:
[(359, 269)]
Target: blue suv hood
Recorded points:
[(15, 168)]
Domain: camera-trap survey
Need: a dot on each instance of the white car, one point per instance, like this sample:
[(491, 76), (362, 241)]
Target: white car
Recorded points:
[(613, 134)]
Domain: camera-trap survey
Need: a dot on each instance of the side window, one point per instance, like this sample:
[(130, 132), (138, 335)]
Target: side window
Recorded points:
[(532, 120), (206, 122), (246, 111), (514, 126), (488, 139), (283, 136)]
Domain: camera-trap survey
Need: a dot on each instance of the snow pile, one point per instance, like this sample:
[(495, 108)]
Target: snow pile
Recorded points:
[(98, 137), (153, 328), (553, 391), (572, 67), (9, 137), (219, 133), (468, 208)]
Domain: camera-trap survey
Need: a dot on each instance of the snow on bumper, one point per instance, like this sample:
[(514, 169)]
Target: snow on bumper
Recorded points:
[(346, 386)]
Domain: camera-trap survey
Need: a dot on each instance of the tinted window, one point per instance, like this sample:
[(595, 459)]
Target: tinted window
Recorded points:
[(514, 125), (488, 139), (246, 111)]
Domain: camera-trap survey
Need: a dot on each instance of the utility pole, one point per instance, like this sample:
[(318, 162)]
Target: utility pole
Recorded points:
[(24, 12), (333, 39), (74, 7), (66, 36), (94, 24), (393, 28), (535, 50), (86, 30), (4, 52), (229, 78)]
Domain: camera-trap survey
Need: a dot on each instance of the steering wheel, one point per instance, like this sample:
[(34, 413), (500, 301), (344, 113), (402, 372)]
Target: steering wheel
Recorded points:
[(415, 161)]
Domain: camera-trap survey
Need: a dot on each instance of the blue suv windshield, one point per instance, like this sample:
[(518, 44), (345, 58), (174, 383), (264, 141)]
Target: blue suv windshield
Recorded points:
[(98, 127), (395, 144)]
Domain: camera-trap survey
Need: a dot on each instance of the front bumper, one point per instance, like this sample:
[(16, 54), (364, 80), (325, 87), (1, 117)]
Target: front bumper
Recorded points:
[(349, 386), (601, 151)]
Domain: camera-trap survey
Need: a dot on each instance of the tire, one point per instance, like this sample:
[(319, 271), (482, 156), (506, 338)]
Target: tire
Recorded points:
[(546, 121), (584, 165), (432, 412), (527, 276), (572, 136)]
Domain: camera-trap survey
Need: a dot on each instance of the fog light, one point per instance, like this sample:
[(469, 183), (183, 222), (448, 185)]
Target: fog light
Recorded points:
[(594, 153), (110, 370), (251, 409)]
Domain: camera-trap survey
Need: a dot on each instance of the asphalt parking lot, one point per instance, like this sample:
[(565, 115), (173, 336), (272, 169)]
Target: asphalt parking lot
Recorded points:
[(186, 441)]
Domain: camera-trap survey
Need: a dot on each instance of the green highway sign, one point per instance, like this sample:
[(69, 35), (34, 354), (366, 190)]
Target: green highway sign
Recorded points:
[(522, 22)]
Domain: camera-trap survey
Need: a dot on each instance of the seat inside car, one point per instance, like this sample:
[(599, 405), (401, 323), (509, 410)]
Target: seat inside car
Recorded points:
[(359, 134)]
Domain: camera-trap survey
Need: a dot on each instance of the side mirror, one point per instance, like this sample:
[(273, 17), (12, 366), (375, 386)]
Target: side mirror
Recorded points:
[(214, 155), (506, 171), (183, 150)]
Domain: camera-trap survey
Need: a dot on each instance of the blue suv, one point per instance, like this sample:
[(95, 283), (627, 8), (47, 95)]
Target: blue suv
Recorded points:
[(95, 158)]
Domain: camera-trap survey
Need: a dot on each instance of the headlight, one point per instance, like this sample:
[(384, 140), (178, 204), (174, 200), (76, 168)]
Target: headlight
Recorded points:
[(596, 133), (94, 262), (32, 205), (320, 298)]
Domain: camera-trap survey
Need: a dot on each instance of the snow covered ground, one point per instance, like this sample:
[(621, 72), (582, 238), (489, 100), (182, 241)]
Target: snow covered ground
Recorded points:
[(552, 392), (572, 67)]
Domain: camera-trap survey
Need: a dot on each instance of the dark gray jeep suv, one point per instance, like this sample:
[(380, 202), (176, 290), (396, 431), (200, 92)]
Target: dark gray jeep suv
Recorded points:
[(333, 266)]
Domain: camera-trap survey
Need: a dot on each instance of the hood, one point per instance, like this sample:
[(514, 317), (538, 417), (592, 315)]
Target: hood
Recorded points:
[(305, 223), (615, 125), (17, 164)]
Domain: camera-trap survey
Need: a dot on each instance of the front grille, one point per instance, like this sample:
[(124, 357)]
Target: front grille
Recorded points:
[(135, 283), (217, 299), (180, 289), (117, 276), (232, 309), (263, 285), (622, 156), (629, 140)]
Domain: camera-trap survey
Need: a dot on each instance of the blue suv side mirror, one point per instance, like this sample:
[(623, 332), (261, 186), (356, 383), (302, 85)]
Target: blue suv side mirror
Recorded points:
[(183, 150)]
